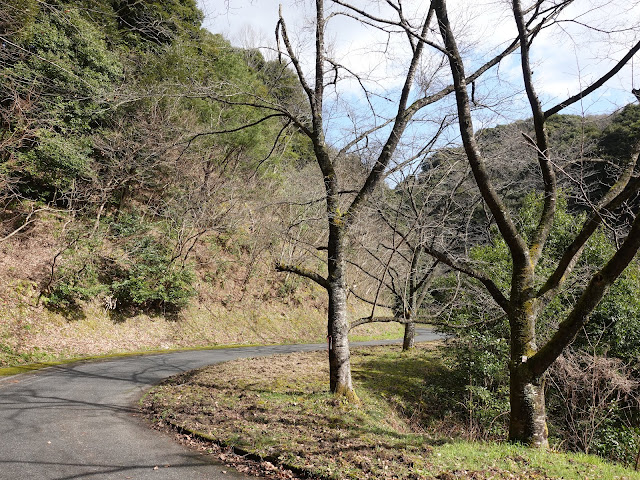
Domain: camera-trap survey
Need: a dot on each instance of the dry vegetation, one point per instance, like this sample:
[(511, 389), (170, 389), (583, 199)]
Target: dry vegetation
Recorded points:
[(278, 411), (240, 300)]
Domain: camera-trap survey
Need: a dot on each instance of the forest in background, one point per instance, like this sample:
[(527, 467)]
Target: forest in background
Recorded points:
[(140, 211)]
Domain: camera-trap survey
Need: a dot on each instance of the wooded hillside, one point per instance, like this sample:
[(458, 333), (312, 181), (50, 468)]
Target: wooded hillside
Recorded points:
[(131, 196)]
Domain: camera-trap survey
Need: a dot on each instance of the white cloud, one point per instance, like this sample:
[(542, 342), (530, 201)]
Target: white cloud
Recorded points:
[(565, 58)]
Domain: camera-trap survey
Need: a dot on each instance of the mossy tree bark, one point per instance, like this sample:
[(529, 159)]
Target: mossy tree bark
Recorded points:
[(338, 324), (528, 363), (527, 422), (409, 339)]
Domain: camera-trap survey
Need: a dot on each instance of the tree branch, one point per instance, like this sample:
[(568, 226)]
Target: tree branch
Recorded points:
[(366, 300), (399, 125), (542, 143), (489, 284), (515, 242), (294, 59), (230, 130), (597, 287), (303, 272), (624, 188), (402, 320), (597, 84)]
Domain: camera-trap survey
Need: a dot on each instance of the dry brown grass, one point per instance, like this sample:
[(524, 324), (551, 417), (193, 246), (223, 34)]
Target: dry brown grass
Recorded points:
[(240, 301), (278, 409)]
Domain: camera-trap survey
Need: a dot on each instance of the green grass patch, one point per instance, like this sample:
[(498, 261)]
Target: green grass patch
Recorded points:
[(278, 408), (31, 367), (502, 459)]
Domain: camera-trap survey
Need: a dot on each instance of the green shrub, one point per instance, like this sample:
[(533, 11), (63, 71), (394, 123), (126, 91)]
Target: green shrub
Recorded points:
[(618, 443), (152, 281), (141, 275)]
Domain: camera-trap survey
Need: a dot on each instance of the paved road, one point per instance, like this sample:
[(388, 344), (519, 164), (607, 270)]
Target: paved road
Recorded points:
[(79, 421)]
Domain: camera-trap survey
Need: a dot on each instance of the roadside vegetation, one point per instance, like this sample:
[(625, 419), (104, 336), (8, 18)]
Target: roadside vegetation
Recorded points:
[(161, 188), (412, 421)]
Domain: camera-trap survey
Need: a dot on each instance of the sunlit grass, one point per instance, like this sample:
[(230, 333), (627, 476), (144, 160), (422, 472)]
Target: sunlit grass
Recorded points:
[(279, 408)]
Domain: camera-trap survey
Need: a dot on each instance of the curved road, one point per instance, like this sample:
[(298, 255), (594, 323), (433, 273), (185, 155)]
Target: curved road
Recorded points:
[(79, 421)]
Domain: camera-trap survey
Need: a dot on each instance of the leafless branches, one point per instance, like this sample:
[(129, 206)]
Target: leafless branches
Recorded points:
[(594, 390)]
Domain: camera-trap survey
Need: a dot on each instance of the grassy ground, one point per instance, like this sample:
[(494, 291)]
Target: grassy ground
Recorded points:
[(278, 409), (30, 333), (243, 303)]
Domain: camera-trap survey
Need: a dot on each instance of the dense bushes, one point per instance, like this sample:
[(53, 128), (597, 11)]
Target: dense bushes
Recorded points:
[(131, 269)]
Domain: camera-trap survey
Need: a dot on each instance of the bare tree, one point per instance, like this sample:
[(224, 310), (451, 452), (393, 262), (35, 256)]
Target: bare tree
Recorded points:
[(378, 143), (528, 292), (422, 212)]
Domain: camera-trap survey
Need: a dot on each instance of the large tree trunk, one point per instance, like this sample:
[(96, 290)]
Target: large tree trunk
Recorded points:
[(338, 342), (409, 336), (337, 323), (528, 422)]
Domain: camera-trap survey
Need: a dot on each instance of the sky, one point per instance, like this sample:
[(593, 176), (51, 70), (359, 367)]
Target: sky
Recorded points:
[(565, 59)]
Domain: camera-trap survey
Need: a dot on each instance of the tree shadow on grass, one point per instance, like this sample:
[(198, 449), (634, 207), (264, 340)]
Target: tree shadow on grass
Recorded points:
[(418, 385), (72, 312), (127, 311)]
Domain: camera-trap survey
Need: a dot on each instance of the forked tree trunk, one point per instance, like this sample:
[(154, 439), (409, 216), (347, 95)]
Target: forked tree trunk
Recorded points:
[(409, 336)]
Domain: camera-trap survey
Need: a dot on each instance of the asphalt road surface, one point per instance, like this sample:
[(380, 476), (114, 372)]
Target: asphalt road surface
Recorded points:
[(80, 421)]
